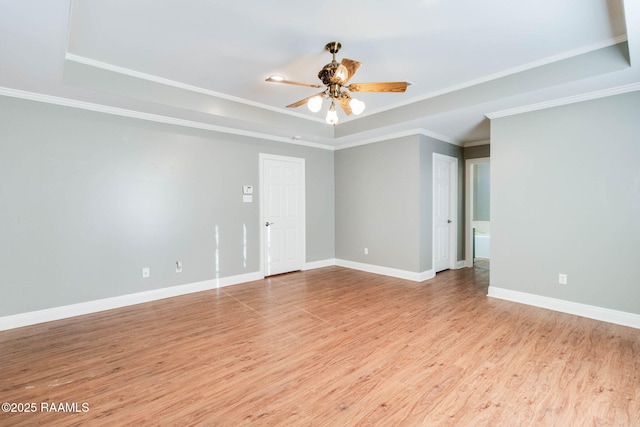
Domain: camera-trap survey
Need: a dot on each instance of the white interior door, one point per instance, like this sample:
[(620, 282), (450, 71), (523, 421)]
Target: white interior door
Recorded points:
[(444, 171), (282, 202)]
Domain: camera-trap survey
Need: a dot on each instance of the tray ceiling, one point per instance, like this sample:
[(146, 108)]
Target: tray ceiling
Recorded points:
[(205, 62)]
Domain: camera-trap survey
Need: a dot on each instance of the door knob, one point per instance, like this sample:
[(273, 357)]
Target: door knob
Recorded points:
[(448, 221), (268, 223)]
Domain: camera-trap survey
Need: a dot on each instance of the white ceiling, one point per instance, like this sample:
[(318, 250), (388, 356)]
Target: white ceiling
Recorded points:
[(205, 62)]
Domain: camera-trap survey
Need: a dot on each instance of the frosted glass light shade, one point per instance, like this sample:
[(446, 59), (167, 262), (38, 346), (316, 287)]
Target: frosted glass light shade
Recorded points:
[(315, 103), (357, 106), (332, 115)]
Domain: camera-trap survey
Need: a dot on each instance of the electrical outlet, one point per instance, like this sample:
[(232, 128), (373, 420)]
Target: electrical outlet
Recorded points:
[(562, 279), (146, 272), (366, 251)]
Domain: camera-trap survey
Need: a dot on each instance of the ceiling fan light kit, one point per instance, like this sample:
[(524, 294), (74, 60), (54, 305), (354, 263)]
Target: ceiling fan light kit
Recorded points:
[(334, 77), (357, 106), (332, 114), (315, 103)]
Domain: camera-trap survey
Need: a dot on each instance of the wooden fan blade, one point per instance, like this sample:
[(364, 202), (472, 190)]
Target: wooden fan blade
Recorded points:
[(345, 71), (304, 101), (378, 87), (343, 100), (290, 82)]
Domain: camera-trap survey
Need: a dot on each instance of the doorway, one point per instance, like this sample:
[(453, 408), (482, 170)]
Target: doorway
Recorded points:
[(478, 217), (282, 214)]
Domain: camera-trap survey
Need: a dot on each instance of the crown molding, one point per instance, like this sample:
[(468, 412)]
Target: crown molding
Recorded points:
[(494, 76), (160, 80), (400, 134), (168, 82), (618, 90), (116, 111), (509, 71), (122, 112)]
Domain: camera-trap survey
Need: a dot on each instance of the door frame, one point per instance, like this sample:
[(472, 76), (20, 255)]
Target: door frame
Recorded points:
[(303, 244), (469, 166), (453, 210)]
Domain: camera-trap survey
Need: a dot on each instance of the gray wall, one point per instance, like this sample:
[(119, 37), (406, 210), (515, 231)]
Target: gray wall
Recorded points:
[(384, 202), (565, 198), (481, 192), (378, 203), (89, 199)]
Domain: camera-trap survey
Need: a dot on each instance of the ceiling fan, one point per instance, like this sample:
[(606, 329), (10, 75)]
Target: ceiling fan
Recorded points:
[(335, 77)]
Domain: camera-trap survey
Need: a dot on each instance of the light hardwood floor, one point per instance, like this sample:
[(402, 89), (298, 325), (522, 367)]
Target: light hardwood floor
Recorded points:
[(327, 347)]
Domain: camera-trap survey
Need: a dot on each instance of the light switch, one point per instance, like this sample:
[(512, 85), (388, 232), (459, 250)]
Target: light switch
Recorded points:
[(247, 189)]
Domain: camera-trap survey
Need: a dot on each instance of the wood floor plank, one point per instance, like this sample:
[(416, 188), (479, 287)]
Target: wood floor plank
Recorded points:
[(327, 347)]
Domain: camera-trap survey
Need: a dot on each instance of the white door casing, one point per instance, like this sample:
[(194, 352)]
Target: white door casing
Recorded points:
[(470, 164), (445, 185), (282, 214)]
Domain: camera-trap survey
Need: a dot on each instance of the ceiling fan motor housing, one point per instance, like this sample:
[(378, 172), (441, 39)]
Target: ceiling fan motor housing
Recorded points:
[(327, 72)]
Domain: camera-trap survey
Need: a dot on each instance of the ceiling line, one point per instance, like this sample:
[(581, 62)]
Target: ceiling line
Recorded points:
[(116, 111), (514, 70), (149, 77), (504, 73), (400, 134), (168, 82), (123, 112), (618, 90)]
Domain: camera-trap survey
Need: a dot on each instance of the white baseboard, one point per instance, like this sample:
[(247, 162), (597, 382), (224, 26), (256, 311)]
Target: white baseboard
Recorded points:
[(386, 271), (592, 312), (63, 312), (401, 274), (319, 264), (236, 280), (426, 275)]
